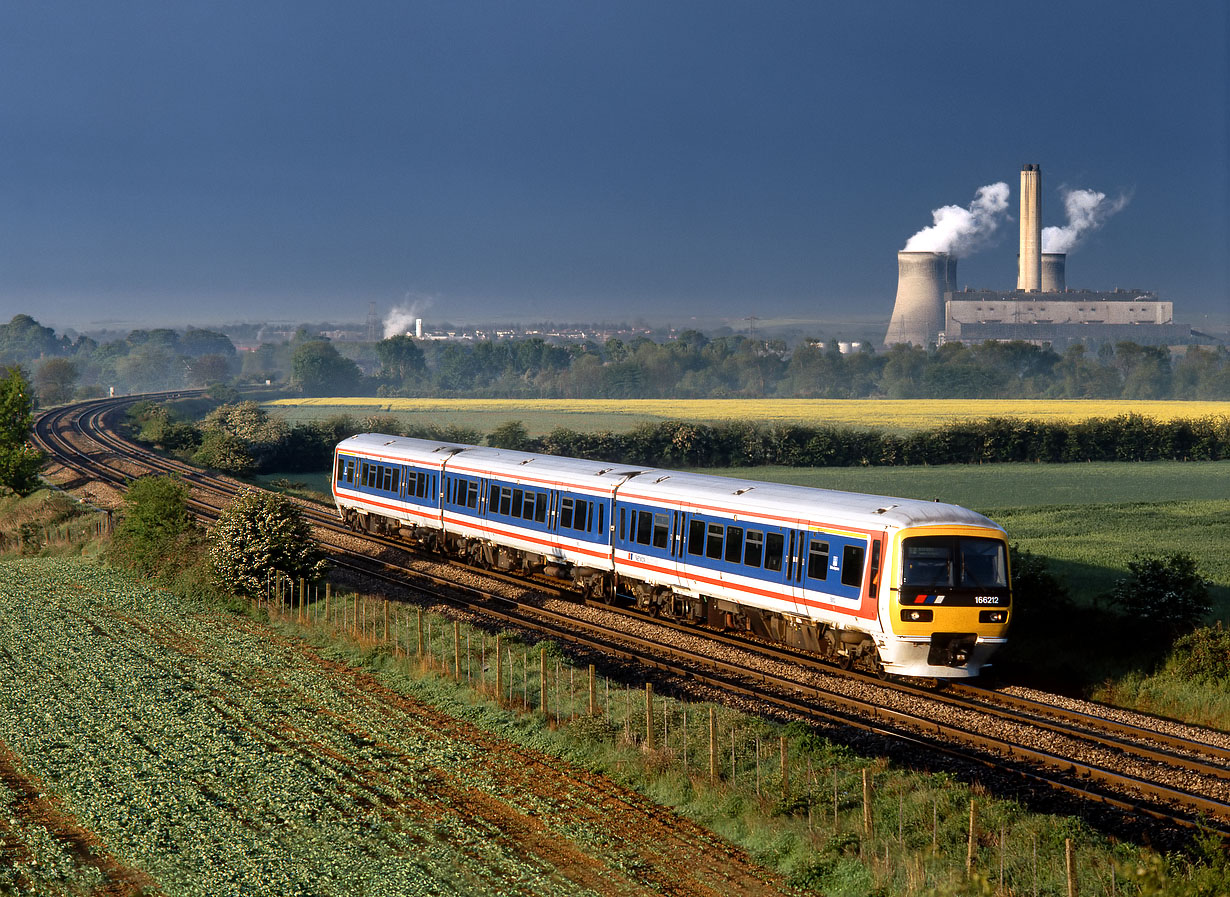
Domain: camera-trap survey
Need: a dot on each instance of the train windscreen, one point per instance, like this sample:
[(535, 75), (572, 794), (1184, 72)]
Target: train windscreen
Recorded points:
[(954, 561)]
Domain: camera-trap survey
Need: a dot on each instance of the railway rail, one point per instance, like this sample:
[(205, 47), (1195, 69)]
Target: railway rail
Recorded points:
[(1141, 767)]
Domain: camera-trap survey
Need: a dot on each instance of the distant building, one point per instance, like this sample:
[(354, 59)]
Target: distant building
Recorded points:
[(1061, 318)]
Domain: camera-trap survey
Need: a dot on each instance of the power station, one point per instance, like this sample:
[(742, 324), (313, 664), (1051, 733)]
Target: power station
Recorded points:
[(930, 309)]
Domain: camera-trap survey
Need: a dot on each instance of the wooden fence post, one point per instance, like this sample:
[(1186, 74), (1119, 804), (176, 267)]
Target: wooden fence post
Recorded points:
[(542, 679), (456, 649), (785, 769), (649, 716), (420, 652), (499, 671), (868, 828), (969, 850), (1070, 865), (593, 692), (386, 621), (712, 745)]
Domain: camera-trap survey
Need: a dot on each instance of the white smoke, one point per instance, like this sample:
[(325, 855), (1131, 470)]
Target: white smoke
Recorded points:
[(400, 319), (962, 231), (1087, 211)]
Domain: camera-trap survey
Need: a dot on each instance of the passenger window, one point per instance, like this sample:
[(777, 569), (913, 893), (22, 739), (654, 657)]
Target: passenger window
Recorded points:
[(713, 544), (734, 544), (661, 530), (818, 560), (696, 537), (602, 520), (852, 565), (472, 495), (396, 479), (644, 527), (540, 509), (341, 468), (774, 543), (565, 514), (580, 518), (753, 548), (509, 500), (518, 503), (623, 523)]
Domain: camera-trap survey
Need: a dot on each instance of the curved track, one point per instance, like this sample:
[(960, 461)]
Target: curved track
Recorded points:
[(1155, 769)]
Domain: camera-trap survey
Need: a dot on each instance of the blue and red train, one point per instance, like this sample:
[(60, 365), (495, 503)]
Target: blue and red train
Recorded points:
[(900, 586)]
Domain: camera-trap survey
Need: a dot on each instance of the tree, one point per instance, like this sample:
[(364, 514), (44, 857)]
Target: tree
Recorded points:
[(259, 534), (400, 359), (319, 369), (1166, 592), (511, 435), (19, 461), (54, 380), (156, 528)]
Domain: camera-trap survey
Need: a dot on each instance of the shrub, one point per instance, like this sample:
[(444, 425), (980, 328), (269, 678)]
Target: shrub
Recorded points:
[(157, 532), (1166, 591), (260, 533), (1203, 655)]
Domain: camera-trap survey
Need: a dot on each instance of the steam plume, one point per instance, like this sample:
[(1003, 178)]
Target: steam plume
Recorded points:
[(400, 319), (961, 231), (1087, 211)]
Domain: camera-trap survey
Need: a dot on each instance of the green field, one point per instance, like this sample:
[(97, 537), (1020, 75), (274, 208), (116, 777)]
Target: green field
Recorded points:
[(155, 745)]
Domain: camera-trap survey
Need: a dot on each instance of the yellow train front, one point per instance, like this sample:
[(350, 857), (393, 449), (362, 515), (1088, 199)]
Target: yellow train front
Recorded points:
[(946, 601)]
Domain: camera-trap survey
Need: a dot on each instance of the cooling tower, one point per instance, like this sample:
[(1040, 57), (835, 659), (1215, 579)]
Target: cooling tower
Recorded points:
[(1029, 261), (922, 280), (1053, 278)]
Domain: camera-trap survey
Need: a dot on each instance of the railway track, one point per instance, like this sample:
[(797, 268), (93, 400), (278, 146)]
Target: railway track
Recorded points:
[(1150, 772)]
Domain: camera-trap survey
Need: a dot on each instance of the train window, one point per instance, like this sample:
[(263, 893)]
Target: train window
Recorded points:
[(661, 530), (928, 562), (516, 507), (643, 523), (696, 537), (369, 475), (774, 548), (540, 508), (982, 563), (471, 495), (852, 565), (341, 468), (734, 544), (623, 523), (753, 548), (565, 514), (790, 555), (818, 560), (581, 516), (396, 479), (713, 542), (602, 520)]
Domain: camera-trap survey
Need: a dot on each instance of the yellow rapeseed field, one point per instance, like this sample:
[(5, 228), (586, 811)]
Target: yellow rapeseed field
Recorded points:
[(897, 414)]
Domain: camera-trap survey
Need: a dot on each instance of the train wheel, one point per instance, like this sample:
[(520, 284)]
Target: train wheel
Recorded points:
[(845, 661)]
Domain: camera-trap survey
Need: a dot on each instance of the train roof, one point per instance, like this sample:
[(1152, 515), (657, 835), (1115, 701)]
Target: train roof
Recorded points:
[(752, 498), (806, 503)]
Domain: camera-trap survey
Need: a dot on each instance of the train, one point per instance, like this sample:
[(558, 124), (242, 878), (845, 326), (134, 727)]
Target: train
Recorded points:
[(901, 587)]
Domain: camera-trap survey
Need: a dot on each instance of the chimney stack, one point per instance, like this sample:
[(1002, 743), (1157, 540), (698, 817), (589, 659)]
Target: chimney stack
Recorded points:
[(1029, 261)]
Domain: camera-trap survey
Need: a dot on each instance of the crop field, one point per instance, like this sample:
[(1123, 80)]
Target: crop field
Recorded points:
[(618, 415), (146, 746)]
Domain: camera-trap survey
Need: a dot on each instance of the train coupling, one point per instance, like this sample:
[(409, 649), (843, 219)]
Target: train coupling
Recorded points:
[(951, 649)]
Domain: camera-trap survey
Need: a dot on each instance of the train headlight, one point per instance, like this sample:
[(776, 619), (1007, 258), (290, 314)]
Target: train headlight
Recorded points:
[(993, 616), (916, 615)]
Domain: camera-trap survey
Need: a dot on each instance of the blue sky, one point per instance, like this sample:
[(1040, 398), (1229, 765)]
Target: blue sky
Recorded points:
[(205, 162)]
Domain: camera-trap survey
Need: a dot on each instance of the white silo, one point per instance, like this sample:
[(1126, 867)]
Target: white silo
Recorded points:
[(922, 280)]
